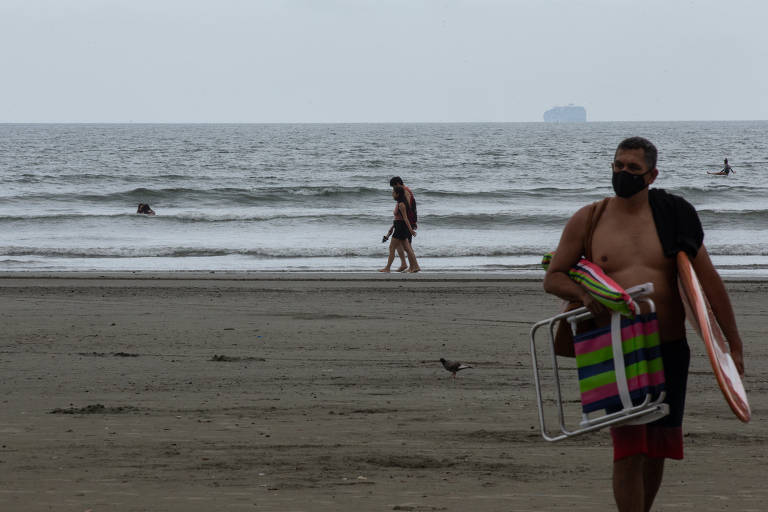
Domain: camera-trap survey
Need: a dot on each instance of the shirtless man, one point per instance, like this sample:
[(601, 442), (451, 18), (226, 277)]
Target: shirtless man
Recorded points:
[(627, 245)]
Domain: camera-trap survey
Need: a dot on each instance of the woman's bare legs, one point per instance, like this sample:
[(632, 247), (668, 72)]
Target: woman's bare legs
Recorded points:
[(394, 244), (401, 253)]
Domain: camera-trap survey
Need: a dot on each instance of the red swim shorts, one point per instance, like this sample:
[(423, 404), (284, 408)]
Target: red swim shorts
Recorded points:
[(663, 437), (650, 440)]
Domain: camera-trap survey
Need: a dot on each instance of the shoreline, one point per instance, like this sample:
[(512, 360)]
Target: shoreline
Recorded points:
[(290, 275), (257, 275)]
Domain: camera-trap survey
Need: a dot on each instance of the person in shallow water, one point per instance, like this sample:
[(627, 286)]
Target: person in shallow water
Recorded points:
[(145, 209), (726, 170), (635, 241)]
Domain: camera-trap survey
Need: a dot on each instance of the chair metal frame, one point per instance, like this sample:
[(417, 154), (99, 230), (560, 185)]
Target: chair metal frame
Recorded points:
[(649, 410)]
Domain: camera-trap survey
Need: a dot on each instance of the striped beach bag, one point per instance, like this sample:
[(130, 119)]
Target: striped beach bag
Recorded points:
[(606, 385)]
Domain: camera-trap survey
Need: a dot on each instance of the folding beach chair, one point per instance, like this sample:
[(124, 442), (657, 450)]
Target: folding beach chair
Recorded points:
[(620, 371)]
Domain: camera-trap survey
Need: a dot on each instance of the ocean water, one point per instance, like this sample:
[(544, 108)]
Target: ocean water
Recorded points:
[(316, 197)]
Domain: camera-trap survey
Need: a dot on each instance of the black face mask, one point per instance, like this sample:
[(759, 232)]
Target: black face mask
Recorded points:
[(626, 184)]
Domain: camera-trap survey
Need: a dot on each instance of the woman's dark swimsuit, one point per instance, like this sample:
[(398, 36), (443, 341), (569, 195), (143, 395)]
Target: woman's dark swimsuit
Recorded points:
[(401, 230)]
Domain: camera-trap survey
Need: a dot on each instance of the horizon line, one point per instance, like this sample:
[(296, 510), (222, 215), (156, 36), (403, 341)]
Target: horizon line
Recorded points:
[(375, 122)]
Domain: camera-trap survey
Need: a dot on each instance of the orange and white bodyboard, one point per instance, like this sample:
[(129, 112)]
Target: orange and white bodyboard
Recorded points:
[(699, 314)]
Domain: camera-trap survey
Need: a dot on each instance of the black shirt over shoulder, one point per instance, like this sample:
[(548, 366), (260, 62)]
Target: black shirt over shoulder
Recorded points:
[(677, 223)]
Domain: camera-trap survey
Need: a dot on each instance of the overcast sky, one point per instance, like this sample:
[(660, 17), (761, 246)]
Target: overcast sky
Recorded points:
[(381, 60)]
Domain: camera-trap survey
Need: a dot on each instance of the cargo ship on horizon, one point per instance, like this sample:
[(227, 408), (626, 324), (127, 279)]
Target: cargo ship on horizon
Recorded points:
[(567, 114)]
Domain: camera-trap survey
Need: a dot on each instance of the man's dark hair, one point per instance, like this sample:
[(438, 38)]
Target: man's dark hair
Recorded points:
[(397, 180), (649, 150)]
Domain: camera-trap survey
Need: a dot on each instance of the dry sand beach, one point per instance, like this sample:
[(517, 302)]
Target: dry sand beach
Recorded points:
[(187, 392)]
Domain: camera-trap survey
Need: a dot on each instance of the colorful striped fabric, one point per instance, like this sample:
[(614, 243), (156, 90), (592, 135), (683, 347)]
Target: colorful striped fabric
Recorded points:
[(642, 361), (600, 286)]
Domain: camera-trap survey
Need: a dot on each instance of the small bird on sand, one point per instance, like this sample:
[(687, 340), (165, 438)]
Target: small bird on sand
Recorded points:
[(453, 366)]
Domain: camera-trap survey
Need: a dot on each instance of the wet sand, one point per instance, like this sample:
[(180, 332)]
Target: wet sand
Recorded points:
[(187, 392)]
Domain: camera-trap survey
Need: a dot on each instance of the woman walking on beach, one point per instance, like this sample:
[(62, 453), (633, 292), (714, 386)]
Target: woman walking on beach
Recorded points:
[(403, 232)]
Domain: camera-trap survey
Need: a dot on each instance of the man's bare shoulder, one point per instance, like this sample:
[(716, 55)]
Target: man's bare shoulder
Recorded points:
[(580, 219), (571, 245)]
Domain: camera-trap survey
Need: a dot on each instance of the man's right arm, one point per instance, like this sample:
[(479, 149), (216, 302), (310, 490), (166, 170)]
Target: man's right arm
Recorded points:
[(569, 251), (716, 293)]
